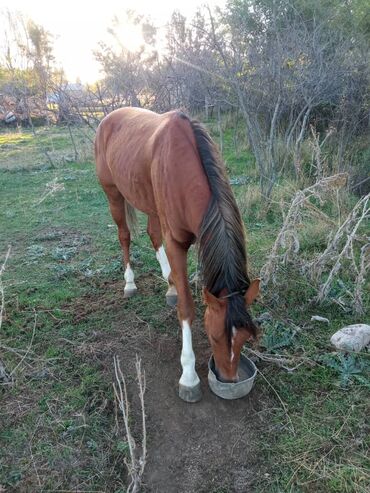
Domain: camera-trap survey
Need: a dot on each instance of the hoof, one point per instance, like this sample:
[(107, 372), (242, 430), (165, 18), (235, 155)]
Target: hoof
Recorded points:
[(190, 394), (171, 299), (129, 293)]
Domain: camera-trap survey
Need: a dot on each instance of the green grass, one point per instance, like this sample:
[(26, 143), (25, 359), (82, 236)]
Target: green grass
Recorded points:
[(22, 149), (57, 417)]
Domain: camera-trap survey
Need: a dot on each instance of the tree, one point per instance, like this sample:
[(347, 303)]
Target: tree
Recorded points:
[(27, 66)]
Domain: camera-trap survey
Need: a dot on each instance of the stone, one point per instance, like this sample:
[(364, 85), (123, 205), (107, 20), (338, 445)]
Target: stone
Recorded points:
[(352, 338), (10, 117), (318, 318)]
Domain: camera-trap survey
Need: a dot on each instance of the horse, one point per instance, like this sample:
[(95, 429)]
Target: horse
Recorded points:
[(168, 167)]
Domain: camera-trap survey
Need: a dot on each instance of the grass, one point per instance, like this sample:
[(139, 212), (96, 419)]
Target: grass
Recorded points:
[(20, 149), (57, 429)]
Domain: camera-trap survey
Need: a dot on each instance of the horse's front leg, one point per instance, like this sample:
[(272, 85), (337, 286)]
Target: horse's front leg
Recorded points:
[(189, 384), (155, 234)]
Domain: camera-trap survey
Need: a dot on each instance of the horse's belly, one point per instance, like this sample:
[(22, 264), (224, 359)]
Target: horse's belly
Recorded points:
[(136, 189)]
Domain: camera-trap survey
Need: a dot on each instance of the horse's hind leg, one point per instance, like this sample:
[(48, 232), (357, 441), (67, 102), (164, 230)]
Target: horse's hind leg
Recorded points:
[(155, 233), (117, 208)]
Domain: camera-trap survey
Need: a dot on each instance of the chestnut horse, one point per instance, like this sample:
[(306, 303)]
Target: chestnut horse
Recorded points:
[(168, 167)]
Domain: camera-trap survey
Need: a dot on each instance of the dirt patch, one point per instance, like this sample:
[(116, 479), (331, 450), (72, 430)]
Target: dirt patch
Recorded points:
[(210, 446), (107, 296), (64, 236), (200, 447), (89, 304)]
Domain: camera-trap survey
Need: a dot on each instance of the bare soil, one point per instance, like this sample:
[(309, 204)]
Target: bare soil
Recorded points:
[(198, 447), (209, 446)]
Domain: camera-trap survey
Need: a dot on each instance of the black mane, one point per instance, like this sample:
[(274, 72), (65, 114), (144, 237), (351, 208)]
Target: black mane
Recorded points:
[(221, 237)]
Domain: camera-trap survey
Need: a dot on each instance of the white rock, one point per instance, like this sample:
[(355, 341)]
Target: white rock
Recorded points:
[(352, 338), (10, 117), (317, 318)]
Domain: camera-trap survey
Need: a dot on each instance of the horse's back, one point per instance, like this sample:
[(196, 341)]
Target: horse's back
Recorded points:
[(153, 160), (119, 138), (123, 154)]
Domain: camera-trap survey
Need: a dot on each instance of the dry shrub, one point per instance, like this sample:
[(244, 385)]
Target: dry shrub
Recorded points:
[(287, 245), (319, 161), (251, 201), (343, 246), (346, 249)]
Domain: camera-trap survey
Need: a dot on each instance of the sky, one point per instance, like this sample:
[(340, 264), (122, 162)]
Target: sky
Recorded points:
[(78, 26)]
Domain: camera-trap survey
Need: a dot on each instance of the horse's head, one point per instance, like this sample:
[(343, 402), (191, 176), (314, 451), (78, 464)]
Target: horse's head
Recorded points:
[(228, 326)]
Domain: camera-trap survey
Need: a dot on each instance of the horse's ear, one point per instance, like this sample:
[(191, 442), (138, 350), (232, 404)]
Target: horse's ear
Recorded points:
[(211, 299), (253, 291)]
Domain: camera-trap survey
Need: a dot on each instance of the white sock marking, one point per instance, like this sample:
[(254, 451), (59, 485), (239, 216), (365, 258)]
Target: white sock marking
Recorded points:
[(232, 354), (130, 279), (232, 344), (189, 377), (163, 262), (171, 290)]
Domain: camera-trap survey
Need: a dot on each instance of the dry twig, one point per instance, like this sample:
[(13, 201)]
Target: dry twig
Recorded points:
[(4, 377), (51, 188), (360, 279), (282, 361), (2, 269), (137, 455)]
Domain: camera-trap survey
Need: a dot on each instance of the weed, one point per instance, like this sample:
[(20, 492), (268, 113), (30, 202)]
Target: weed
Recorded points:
[(277, 336), (349, 367)]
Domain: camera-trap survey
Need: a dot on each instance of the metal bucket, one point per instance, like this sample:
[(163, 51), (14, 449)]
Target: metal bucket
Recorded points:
[(247, 374)]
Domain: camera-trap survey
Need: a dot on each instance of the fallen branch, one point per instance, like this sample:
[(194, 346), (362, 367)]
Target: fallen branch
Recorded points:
[(281, 361)]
